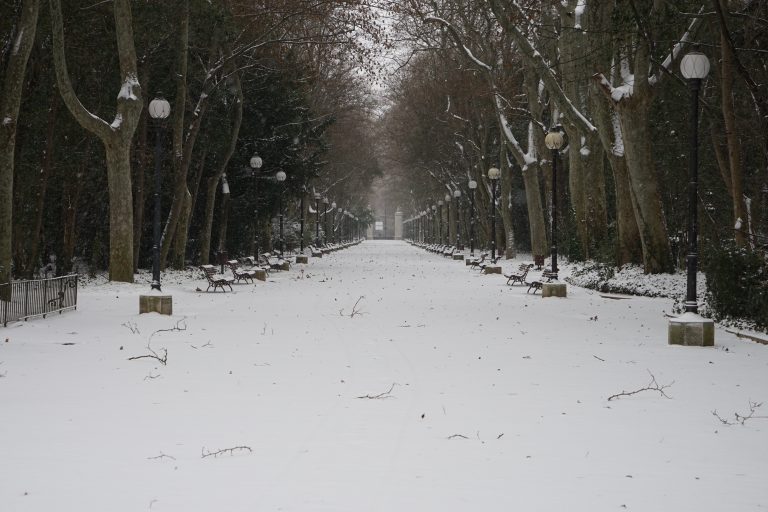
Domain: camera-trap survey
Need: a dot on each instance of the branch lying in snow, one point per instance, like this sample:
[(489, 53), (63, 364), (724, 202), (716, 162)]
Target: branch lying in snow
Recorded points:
[(454, 436), (153, 355), (380, 396), (180, 326), (161, 456), (355, 311), (230, 451), (132, 326), (740, 418), (652, 386)]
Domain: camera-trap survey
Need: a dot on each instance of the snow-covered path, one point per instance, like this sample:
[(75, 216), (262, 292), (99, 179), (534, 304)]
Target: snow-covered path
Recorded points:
[(445, 390)]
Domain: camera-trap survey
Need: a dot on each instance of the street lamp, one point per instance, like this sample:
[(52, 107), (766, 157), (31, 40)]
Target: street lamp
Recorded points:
[(333, 222), (317, 219), (256, 162), (440, 222), (280, 177), (493, 174), (694, 67), (340, 210), (224, 215), (325, 221), (159, 110), (690, 328), (447, 219), (435, 225), (554, 141), (472, 186), (457, 196)]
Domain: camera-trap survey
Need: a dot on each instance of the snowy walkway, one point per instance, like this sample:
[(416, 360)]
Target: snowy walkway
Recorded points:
[(488, 399)]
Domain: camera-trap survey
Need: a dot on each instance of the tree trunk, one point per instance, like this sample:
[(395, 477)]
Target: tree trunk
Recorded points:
[(116, 136), (141, 152), (205, 235), (736, 186), (182, 230), (10, 100), (183, 137), (120, 212), (644, 191)]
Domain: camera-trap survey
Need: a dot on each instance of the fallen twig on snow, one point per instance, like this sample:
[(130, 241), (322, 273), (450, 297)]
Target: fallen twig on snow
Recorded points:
[(355, 311), (454, 436), (652, 386), (230, 451), (161, 456), (380, 396), (741, 418), (180, 326)]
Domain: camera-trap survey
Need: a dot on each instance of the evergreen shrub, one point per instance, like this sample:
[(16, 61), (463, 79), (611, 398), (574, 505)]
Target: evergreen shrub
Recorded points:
[(737, 284)]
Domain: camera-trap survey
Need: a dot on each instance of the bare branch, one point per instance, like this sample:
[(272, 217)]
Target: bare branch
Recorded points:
[(652, 386), (230, 451), (381, 396)]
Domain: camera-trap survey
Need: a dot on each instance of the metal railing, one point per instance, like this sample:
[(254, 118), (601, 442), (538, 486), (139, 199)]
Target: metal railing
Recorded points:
[(22, 300)]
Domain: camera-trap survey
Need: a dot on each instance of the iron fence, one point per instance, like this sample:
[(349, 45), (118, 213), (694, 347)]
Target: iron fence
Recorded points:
[(21, 300)]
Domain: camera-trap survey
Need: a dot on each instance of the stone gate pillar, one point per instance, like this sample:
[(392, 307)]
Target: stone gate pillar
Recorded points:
[(398, 224)]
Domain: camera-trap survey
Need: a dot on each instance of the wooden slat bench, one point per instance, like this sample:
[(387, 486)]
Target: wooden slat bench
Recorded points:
[(216, 280)]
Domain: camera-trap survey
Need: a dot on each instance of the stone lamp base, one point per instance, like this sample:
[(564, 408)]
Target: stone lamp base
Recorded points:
[(554, 290), (692, 330), (162, 304)]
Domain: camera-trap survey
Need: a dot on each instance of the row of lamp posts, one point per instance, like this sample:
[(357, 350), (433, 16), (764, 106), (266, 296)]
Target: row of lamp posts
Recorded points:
[(694, 67)]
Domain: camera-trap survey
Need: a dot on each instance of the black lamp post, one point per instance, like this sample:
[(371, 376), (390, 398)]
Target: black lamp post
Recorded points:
[(224, 215), (447, 219), (457, 196), (435, 225), (337, 229), (493, 174), (333, 214), (472, 186), (317, 219), (694, 67), (159, 110), (440, 222), (280, 177), (554, 141), (325, 221), (301, 221), (256, 162)]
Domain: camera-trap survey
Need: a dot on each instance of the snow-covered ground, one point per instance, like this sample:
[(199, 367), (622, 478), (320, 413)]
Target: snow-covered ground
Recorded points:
[(381, 378)]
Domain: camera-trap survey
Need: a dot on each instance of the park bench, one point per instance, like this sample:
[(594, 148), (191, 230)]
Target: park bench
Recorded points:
[(217, 281), (240, 274), (547, 276), (478, 261), (520, 275), (272, 262), (448, 252)]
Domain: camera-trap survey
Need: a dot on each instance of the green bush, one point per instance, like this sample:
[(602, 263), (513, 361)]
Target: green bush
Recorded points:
[(737, 284)]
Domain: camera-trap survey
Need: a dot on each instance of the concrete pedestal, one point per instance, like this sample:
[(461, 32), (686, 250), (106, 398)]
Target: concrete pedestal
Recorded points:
[(691, 329), (162, 304), (468, 261), (302, 259), (492, 270), (285, 266), (458, 256), (554, 290), (260, 274), (317, 255)]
